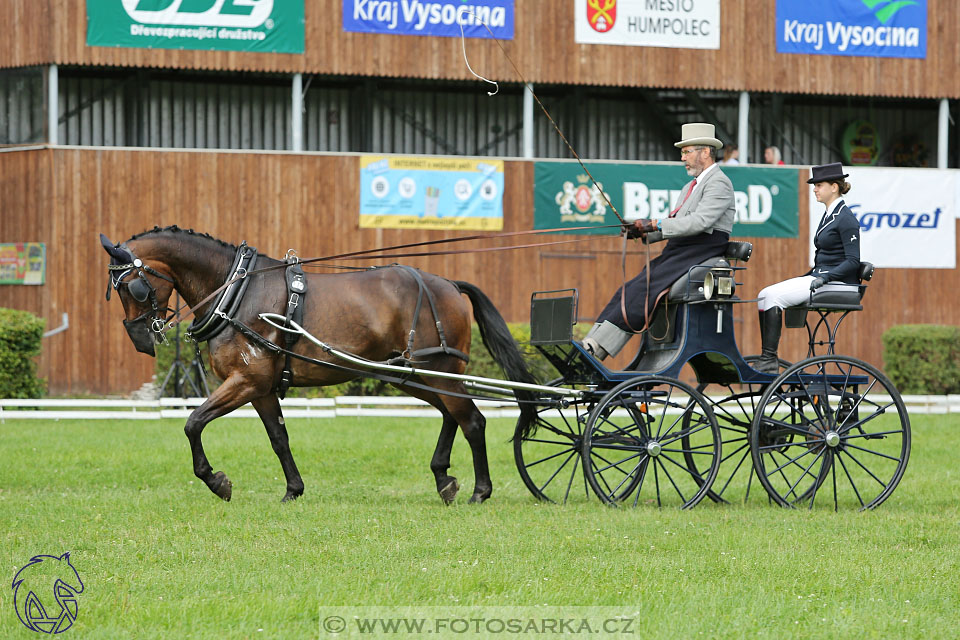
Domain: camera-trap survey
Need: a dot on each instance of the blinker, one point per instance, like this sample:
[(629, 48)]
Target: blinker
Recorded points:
[(139, 289)]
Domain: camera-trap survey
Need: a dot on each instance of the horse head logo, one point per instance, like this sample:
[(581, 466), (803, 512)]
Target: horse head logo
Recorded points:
[(51, 580)]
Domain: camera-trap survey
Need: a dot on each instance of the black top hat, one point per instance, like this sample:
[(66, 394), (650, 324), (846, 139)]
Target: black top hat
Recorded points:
[(832, 172)]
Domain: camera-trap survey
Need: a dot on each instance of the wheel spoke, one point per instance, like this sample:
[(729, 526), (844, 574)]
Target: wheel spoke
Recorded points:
[(550, 457), (870, 473), (852, 483), (876, 453), (670, 478), (558, 470)]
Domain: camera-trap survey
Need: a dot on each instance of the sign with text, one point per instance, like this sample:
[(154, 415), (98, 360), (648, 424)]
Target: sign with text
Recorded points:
[(872, 28), (766, 198), (684, 24), (438, 18), (23, 262), (272, 26), (907, 217), (420, 192)]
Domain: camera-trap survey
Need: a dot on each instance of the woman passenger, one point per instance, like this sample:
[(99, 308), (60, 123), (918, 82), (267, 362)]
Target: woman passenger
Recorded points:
[(836, 264)]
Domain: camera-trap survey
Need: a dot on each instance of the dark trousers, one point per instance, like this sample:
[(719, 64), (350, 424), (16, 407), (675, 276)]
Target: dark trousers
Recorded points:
[(678, 256)]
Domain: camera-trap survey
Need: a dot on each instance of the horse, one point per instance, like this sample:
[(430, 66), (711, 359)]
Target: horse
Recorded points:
[(375, 314)]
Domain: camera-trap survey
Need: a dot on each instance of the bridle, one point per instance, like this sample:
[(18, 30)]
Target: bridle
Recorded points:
[(140, 289)]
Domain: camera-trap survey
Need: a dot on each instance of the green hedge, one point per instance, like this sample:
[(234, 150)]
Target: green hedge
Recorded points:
[(481, 364), (921, 358), (20, 335)]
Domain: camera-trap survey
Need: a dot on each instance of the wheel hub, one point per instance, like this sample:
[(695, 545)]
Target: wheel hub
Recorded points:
[(654, 448), (832, 438)]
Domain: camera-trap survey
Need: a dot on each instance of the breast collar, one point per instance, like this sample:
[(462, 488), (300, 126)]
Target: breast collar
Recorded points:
[(216, 318)]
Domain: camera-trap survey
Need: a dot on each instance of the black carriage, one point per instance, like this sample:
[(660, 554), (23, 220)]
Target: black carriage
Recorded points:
[(827, 431)]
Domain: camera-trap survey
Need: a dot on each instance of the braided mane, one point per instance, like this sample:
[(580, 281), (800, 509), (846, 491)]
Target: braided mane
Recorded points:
[(175, 229)]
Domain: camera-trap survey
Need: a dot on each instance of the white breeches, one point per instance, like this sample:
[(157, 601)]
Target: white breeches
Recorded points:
[(794, 291)]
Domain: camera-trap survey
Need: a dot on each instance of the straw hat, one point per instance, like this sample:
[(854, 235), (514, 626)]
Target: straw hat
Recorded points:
[(698, 133)]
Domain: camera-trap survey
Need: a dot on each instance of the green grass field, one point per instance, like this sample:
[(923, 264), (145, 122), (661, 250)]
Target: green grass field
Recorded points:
[(162, 557)]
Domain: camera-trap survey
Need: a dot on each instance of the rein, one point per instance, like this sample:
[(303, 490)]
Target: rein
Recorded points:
[(375, 254)]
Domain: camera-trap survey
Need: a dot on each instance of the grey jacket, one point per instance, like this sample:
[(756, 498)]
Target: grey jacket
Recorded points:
[(710, 207)]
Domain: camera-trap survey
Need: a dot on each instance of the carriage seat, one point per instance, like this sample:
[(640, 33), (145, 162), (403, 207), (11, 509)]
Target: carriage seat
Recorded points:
[(689, 287), (829, 301)]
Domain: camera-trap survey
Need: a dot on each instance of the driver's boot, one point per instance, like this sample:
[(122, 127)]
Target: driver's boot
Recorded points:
[(770, 327), (605, 339)]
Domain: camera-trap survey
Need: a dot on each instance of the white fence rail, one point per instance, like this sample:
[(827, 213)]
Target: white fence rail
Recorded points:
[(352, 406), (109, 409)]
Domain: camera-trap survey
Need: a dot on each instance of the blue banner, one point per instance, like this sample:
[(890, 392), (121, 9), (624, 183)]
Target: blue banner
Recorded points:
[(424, 18), (411, 192), (871, 28)]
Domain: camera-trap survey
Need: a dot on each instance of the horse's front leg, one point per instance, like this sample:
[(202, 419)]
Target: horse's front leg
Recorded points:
[(235, 391), (268, 408)]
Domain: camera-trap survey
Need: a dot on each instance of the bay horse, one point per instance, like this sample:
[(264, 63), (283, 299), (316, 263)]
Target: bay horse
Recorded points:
[(367, 313)]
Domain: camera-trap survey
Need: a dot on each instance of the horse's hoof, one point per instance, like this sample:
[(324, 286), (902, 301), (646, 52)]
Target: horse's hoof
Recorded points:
[(478, 498), (290, 497), (222, 486), (449, 491)]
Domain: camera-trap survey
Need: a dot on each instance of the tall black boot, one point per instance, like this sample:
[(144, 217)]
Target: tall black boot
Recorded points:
[(770, 325)]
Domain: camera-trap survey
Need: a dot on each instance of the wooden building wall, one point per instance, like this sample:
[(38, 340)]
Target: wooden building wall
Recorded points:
[(66, 197), (54, 31)]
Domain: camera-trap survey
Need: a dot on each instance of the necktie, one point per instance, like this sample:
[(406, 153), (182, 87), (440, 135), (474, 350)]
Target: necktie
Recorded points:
[(685, 198)]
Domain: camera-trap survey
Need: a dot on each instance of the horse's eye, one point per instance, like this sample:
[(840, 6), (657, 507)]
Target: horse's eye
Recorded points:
[(139, 289)]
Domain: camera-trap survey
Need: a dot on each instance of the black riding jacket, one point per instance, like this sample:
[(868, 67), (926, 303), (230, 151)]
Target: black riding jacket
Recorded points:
[(838, 246)]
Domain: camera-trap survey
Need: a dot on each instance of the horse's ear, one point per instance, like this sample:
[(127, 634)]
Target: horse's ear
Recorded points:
[(120, 255)]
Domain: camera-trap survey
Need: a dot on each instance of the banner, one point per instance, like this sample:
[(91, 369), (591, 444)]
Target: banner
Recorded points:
[(273, 26), (419, 192), (684, 24), (906, 217), (23, 262), (423, 18), (873, 28), (766, 198)]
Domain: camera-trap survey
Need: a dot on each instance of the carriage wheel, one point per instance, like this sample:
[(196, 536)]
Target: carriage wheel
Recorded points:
[(831, 431), (549, 459), (734, 410), (637, 438)]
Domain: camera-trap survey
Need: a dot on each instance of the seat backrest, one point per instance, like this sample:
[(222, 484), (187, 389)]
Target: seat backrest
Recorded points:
[(738, 250), (866, 271)]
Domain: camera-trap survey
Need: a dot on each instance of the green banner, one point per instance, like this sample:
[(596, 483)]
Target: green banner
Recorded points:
[(766, 198), (273, 26)]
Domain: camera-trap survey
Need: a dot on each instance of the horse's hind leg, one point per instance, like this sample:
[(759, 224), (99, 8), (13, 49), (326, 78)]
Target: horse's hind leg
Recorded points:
[(268, 408), (474, 426)]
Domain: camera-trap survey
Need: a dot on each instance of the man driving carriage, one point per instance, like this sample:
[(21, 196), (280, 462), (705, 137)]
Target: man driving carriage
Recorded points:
[(696, 230)]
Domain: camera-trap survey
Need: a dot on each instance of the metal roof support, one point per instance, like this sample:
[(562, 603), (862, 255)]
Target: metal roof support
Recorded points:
[(296, 115), (53, 104), (528, 121), (743, 127), (943, 135)]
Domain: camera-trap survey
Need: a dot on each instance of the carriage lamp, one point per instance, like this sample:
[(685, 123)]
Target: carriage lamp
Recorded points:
[(719, 283)]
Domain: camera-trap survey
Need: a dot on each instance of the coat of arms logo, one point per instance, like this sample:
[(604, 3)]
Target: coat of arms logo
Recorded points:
[(582, 202), (601, 14)]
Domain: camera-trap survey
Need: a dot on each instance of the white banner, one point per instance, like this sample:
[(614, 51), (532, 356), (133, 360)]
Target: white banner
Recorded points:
[(907, 216), (683, 24)]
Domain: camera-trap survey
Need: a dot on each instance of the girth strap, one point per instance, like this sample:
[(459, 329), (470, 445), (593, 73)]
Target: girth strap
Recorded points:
[(296, 289)]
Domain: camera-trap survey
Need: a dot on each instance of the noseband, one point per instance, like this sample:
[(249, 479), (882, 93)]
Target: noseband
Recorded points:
[(140, 288)]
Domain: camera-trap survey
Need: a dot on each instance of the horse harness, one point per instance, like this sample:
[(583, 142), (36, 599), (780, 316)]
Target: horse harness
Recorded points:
[(221, 312), (139, 287)]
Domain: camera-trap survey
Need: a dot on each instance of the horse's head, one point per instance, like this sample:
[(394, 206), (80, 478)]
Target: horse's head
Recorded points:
[(144, 290)]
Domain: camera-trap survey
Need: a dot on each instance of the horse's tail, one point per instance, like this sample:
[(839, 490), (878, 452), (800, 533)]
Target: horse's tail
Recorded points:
[(496, 337)]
